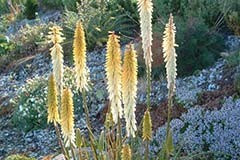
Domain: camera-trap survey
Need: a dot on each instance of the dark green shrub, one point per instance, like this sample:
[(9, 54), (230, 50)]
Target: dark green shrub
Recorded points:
[(199, 47), (3, 7), (211, 11), (31, 7)]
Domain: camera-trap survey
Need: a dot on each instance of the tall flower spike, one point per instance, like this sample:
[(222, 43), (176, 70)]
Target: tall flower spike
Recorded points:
[(55, 36), (79, 55), (113, 72), (53, 115), (145, 8), (170, 53), (67, 117), (126, 153), (147, 126), (129, 89)]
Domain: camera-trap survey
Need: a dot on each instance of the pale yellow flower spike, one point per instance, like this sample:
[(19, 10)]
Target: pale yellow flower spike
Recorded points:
[(113, 72), (53, 115), (129, 89), (79, 55), (170, 53), (67, 117), (145, 8), (147, 126), (55, 36), (126, 153)]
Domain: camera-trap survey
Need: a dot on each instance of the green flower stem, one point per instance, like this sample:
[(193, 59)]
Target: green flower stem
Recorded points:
[(119, 138), (72, 150), (170, 103), (60, 142), (146, 157), (88, 124)]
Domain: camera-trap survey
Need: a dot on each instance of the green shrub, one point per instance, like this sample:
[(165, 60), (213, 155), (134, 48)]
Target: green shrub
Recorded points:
[(31, 109), (98, 19), (31, 35), (233, 21), (72, 5), (18, 157), (31, 7), (31, 105), (194, 51), (211, 11), (4, 23), (3, 7), (234, 59), (6, 46), (199, 47)]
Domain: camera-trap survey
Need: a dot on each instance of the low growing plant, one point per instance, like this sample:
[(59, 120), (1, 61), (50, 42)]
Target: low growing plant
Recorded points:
[(18, 157), (31, 112)]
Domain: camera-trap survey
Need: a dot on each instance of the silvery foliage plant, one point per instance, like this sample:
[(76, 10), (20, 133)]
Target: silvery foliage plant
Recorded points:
[(200, 130)]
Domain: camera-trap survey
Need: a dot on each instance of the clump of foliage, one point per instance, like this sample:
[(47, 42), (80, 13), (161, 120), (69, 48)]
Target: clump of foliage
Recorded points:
[(195, 20), (6, 45), (212, 12), (99, 18), (31, 7), (28, 39), (25, 42), (232, 17), (233, 59), (18, 157), (195, 52), (31, 101), (31, 111), (234, 22)]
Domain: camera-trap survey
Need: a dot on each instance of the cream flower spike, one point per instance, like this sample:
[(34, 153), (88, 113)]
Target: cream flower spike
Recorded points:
[(145, 8), (79, 55), (113, 72), (52, 104), (126, 153), (170, 53), (55, 36), (67, 117), (129, 89)]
